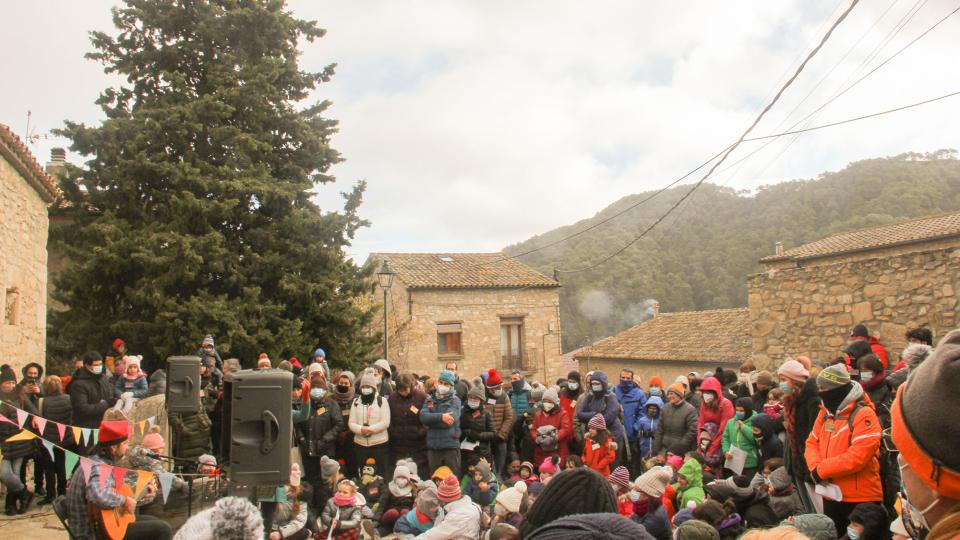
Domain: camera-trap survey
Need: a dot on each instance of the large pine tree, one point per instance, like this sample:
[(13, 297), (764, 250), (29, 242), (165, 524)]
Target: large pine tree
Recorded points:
[(193, 214)]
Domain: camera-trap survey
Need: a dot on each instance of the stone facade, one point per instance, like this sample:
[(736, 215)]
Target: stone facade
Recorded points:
[(25, 193), (416, 314), (809, 308)]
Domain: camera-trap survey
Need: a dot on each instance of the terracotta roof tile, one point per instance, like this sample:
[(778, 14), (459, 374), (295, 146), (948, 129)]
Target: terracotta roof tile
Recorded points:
[(905, 232), (21, 158), (720, 335), (462, 270)]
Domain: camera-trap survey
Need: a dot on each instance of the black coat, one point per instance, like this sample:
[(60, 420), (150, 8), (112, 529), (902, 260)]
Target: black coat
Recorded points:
[(408, 435), (477, 426), (805, 415), (319, 432), (91, 395)]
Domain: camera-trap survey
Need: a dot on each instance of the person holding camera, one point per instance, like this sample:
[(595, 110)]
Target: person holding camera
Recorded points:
[(29, 388)]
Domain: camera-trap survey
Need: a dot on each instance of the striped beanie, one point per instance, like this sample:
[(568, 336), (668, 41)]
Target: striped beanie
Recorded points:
[(449, 489), (597, 422), (620, 477)]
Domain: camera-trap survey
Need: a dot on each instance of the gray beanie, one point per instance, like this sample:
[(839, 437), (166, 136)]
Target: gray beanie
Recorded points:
[(834, 376), (230, 518), (815, 526), (552, 396), (368, 380), (328, 467), (915, 353)]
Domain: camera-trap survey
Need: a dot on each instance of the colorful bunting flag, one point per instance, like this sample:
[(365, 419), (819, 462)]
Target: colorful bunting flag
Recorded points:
[(22, 436), (21, 417), (143, 478), (85, 465), (166, 480), (118, 473), (40, 422), (86, 436), (103, 470), (140, 426), (61, 429), (152, 420), (7, 420), (76, 434), (96, 435), (71, 462), (49, 446)]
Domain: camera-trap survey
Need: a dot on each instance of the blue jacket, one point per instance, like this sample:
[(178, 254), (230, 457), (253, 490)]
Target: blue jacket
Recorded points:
[(440, 436), (520, 400), (632, 401), (646, 427), (137, 386), (607, 405)]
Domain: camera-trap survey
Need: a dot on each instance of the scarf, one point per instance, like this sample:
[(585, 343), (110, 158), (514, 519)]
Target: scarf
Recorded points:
[(398, 491), (341, 500), (789, 402), (876, 381)]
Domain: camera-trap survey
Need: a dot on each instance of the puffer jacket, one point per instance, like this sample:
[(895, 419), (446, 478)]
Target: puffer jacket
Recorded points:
[(599, 455), (57, 408), (375, 416), (191, 434), (632, 399), (407, 432), (557, 418), (607, 405), (569, 400), (501, 412), (848, 459), (319, 427), (350, 517), (520, 398), (477, 426), (677, 429), (136, 386), (719, 415), (91, 395), (286, 522), (15, 449), (440, 436), (646, 427)]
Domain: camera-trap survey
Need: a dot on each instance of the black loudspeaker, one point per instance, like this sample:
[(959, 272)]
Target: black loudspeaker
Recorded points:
[(183, 384), (260, 427)]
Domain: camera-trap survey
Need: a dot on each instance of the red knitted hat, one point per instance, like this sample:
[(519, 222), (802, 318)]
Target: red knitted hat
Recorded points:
[(449, 489), (112, 432), (117, 343), (493, 378)]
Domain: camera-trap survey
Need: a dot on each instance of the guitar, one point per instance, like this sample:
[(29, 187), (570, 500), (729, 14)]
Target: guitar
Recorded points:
[(116, 520)]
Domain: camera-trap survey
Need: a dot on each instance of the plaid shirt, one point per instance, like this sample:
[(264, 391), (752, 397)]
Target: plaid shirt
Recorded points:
[(84, 492)]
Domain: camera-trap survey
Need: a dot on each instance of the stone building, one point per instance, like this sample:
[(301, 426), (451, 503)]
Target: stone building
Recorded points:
[(481, 310), (672, 344), (890, 278), (26, 192)]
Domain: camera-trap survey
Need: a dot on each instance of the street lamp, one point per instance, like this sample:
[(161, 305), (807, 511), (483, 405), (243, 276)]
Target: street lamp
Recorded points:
[(385, 275)]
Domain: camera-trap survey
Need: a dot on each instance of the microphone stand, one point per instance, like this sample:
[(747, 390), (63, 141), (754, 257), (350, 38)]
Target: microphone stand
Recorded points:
[(179, 463)]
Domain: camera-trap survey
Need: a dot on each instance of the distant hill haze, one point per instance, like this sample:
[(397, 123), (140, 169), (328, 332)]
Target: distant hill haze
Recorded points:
[(700, 256)]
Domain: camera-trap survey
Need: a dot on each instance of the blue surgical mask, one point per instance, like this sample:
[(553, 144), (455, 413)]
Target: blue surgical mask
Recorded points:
[(634, 495), (473, 404), (317, 393), (739, 416), (573, 385), (785, 387), (865, 376), (656, 391), (853, 534)]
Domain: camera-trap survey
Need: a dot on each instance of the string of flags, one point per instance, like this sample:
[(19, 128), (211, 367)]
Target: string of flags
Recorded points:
[(85, 436)]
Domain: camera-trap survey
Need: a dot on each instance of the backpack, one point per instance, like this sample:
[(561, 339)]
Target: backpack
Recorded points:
[(853, 414)]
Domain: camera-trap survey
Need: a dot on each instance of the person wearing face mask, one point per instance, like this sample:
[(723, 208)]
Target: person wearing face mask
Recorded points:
[(677, 429), (91, 393), (655, 386), (646, 426), (343, 393), (648, 507), (408, 436), (874, 380), (441, 414), (801, 404), (842, 447), (569, 399), (552, 429), (501, 412), (398, 498), (476, 427), (925, 430), (601, 401), (868, 521), (319, 422), (739, 433), (714, 408), (631, 398), (369, 421)]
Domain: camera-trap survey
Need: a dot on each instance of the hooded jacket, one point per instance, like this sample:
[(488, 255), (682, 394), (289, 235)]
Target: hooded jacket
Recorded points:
[(557, 418), (741, 435), (460, 521), (440, 436), (607, 405), (770, 446), (632, 399), (520, 398), (645, 427), (91, 395), (692, 471), (677, 429), (375, 415), (847, 459), (719, 416)]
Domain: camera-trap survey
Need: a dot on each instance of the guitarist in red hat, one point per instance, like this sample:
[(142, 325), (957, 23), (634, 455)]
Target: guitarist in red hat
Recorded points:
[(88, 497)]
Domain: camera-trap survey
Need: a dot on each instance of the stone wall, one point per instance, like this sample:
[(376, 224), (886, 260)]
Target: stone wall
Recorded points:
[(668, 370), (810, 309), (414, 316), (23, 270)]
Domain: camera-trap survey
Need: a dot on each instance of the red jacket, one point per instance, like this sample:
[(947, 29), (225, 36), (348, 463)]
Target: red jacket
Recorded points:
[(599, 456), (875, 347), (724, 411), (569, 404), (849, 460), (559, 419)]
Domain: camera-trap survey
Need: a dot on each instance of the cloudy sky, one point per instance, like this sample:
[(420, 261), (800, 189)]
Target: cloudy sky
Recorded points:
[(479, 124)]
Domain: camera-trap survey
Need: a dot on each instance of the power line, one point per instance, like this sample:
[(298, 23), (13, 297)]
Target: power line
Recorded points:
[(732, 147)]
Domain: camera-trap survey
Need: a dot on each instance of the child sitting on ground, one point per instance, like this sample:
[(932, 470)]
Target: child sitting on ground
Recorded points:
[(526, 473), (599, 450), (548, 469), (422, 517), (341, 514), (689, 486), (773, 407), (398, 497), (131, 386), (508, 505), (290, 516), (513, 471), (620, 482), (482, 487), (370, 484)]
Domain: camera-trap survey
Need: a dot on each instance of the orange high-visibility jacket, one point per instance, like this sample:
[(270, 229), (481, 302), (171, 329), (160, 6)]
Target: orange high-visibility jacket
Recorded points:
[(848, 459)]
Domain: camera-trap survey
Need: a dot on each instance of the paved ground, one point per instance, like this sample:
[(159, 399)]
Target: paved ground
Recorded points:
[(37, 524)]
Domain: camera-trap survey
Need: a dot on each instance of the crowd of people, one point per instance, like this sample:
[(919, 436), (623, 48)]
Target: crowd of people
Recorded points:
[(859, 448)]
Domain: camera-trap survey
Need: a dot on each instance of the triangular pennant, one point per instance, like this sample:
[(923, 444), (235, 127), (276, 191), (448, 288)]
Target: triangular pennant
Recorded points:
[(71, 462), (41, 423), (86, 435), (104, 470), (143, 478), (85, 465), (61, 429), (7, 420), (166, 480), (140, 426), (76, 434), (21, 417), (49, 446), (152, 420), (96, 435), (118, 473), (22, 436)]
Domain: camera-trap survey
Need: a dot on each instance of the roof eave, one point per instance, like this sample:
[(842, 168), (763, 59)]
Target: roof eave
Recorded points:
[(862, 249)]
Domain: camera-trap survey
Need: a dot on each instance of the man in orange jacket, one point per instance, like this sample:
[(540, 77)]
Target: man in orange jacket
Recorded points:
[(844, 444)]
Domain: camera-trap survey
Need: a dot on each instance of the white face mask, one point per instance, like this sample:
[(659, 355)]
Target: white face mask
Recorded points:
[(443, 389), (707, 397), (573, 385), (548, 406), (865, 376), (596, 387), (97, 369), (401, 482), (634, 495), (366, 390)]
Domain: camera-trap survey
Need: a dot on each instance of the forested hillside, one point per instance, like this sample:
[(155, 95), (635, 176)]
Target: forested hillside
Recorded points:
[(700, 256)]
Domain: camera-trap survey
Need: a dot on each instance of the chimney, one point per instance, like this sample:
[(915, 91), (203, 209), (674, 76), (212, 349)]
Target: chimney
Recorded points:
[(656, 309), (778, 249), (57, 166)]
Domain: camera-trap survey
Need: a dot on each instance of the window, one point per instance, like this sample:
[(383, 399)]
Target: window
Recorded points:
[(11, 305), (449, 340), (511, 346)]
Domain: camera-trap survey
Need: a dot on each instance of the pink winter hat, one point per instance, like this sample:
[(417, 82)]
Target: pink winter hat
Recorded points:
[(548, 466), (675, 461), (794, 371), (153, 440)]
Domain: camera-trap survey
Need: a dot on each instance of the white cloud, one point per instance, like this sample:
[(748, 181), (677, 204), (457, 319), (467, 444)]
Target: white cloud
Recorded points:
[(479, 124)]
